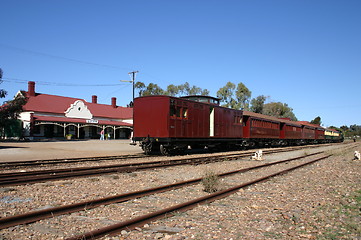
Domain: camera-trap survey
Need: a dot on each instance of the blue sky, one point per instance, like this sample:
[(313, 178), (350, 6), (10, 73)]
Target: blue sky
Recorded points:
[(303, 53)]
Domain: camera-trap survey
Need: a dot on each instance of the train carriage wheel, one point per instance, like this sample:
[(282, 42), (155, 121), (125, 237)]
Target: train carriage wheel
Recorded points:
[(147, 148), (164, 150)]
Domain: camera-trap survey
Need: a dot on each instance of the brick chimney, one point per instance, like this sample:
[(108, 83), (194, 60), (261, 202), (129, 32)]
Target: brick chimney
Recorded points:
[(114, 102), (31, 89), (94, 99)]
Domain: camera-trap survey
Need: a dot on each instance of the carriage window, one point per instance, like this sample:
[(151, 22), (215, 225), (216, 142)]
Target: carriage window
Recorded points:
[(237, 119), (172, 111), (178, 111), (185, 113)]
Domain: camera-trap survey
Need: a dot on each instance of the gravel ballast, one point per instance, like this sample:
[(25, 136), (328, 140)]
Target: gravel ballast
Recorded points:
[(319, 201)]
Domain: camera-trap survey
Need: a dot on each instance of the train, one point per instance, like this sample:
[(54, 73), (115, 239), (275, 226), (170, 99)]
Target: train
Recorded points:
[(170, 125)]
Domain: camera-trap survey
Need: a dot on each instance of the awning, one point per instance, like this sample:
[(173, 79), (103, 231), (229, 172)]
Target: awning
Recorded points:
[(79, 120)]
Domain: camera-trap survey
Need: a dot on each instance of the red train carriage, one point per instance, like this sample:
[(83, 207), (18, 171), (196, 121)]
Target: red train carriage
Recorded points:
[(260, 129), (169, 124), (291, 132), (312, 133)]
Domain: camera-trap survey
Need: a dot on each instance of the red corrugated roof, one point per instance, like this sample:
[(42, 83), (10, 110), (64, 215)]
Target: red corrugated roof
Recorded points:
[(306, 123), (57, 104), (262, 116)]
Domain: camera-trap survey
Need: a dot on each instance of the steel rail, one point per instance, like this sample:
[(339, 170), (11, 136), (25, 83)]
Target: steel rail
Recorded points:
[(100, 158), (19, 178), (66, 160), (60, 170), (141, 220), (56, 211)]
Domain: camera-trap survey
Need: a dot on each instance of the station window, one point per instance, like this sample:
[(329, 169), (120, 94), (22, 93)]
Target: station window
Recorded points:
[(36, 129)]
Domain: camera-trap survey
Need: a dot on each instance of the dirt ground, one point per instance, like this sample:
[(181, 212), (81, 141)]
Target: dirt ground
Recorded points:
[(20, 151)]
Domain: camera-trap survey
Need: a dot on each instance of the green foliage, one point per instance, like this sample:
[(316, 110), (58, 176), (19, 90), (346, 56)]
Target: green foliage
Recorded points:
[(185, 90), (257, 104), (226, 95), (3, 93), (316, 121), (153, 89), (352, 131), (13, 128), (279, 110), (140, 87), (172, 90), (232, 98), (243, 96), (8, 116)]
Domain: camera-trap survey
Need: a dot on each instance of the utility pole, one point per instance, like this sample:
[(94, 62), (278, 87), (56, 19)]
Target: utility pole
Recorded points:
[(132, 76)]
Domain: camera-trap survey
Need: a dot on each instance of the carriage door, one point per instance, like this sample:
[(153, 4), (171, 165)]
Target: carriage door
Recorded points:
[(283, 131), (211, 122)]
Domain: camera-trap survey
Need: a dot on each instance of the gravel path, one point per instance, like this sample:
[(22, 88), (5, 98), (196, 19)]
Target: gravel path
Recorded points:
[(320, 201)]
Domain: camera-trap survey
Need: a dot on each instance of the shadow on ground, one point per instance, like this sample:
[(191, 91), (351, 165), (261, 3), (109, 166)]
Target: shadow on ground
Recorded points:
[(4, 147)]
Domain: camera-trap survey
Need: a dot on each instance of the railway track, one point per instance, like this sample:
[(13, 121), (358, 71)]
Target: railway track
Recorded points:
[(33, 163), (56, 211), (19, 178), (170, 211), (47, 162)]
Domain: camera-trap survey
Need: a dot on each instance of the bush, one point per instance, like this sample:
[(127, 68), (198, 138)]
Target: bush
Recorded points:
[(210, 182)]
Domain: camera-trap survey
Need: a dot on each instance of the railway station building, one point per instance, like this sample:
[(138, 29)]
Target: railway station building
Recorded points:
[(51, 116)]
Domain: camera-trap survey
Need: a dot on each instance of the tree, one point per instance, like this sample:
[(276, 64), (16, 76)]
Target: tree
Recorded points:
[(232, 98), (243, 95), (3, 93), (257, 104), (172, 90), (344, 128), (205, 92), (355, 130), (9, 112), (316, 121), (197, 91), (141, 87), (152, 89), (279, 110), (186, 90), (226, 95)]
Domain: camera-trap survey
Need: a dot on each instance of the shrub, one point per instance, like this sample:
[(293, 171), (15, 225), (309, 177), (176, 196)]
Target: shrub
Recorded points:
[(210, 182)]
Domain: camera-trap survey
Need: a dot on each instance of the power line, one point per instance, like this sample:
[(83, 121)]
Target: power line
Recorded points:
[(15, 80), (59, 57)]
